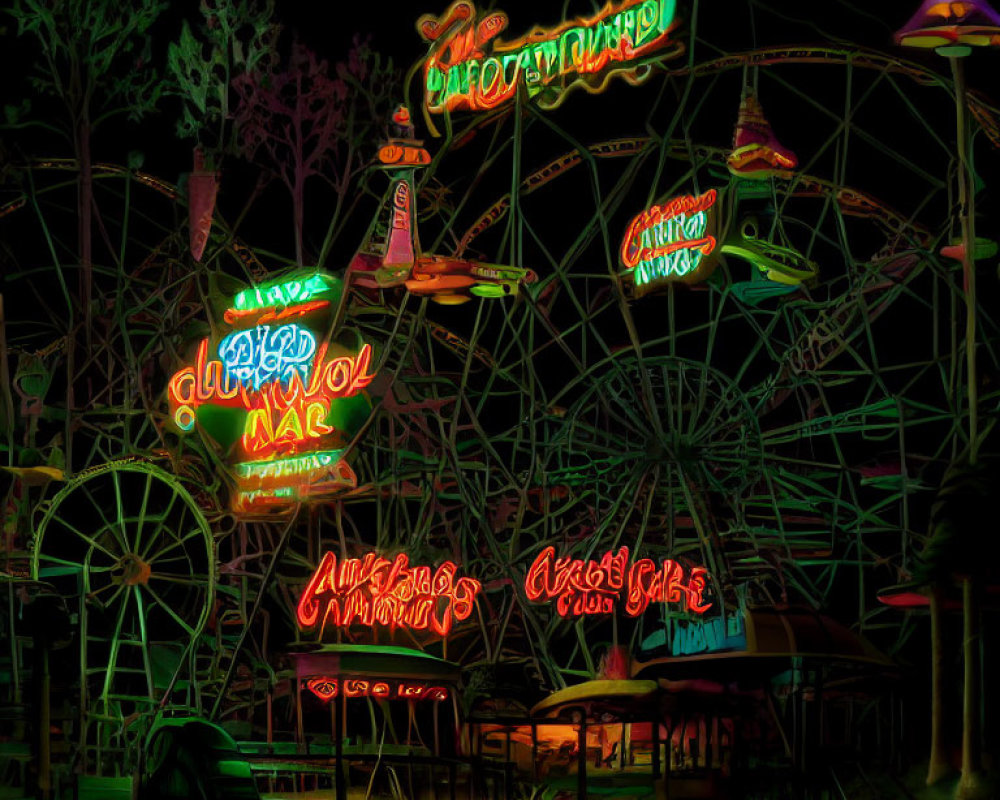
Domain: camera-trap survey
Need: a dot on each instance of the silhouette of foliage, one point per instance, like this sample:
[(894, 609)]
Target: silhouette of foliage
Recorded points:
[(236, 37), (95, 56), (299, 121)]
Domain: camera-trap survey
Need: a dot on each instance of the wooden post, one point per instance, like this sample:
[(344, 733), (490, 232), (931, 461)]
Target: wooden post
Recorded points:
[(44, 723), (581, 757), (623, 744), (656, 749), (534, 752), (300, 733), (339, 703), (437, 734)]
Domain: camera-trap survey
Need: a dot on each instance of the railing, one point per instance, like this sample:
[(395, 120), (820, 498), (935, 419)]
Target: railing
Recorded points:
[(383, 774)]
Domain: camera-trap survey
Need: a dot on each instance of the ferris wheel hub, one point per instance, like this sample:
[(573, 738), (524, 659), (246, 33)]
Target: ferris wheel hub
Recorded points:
[(135, 571)]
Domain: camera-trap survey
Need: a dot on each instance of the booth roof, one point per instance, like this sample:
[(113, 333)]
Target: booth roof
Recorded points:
[(624, 697), (777, 635), (373, 661)]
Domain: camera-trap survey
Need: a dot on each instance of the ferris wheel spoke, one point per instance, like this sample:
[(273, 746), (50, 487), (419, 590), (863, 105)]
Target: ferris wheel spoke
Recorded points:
[(170, 611), (144, 637), (181, 558), (114, 529), (104, 604), (141, 521), (115, 646), (170, 546), (120, 518), (46, 557), (161, 521), (625, 404), (187, 580), (94, 544)]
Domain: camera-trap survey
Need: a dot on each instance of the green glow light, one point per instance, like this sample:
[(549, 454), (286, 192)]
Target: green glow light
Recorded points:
[(287, 292), (288, 466), (550, 63)]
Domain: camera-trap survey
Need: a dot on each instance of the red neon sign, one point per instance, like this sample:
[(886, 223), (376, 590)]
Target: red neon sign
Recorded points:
[(376, 592), (593, 587), (328, 688)]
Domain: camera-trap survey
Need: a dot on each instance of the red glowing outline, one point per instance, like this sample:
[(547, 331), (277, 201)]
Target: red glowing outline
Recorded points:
[(299, 409), (592, 587), (632, 253), (376, 592), (327, 688)]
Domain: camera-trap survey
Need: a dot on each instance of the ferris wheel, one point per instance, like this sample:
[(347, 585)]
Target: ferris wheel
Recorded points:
[(781, 421)]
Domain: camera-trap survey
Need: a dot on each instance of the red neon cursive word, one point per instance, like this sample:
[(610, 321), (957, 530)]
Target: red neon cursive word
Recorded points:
[(375, 591), (207, 380), (654, 218), (328, 688), (280, 417), (592, 587), (265, 314)]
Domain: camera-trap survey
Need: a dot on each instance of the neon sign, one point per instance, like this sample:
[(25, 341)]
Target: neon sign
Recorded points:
[(328, 688), (710, 636), (594, 587), (376, 592), (403, 154), (671, 242), (400, 248), (466, 70), (283, 293), (279, 418), (264, 354), (273, 392)]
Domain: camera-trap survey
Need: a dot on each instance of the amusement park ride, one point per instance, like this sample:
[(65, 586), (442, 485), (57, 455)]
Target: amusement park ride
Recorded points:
[(626, 484)]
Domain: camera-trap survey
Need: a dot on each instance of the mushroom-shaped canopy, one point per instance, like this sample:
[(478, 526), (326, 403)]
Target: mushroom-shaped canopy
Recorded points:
[(971, 23)]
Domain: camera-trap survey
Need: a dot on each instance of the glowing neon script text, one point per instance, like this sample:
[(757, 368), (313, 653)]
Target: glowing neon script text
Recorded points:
[(669, 241), (286, 293), (328, 688), (254, 357), (268, 483), (465, 71), (375, 591), (592, 587), (276, 414)]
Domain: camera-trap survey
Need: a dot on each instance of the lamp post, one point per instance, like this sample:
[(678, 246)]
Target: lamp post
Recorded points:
[(952, 29)]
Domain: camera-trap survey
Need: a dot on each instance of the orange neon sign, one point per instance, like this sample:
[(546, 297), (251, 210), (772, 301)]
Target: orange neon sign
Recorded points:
[(672, 241), (327, 688), (403, 155), (469, 68), (593, 587), (377, 592), (270, 392), (280, 418)]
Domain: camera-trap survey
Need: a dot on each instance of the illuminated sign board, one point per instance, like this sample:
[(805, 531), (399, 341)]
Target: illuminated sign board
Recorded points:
[(328, 688), (672, 242), (273, 392), (716, 635), (469, 69), (594, 587), (376, 592)]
